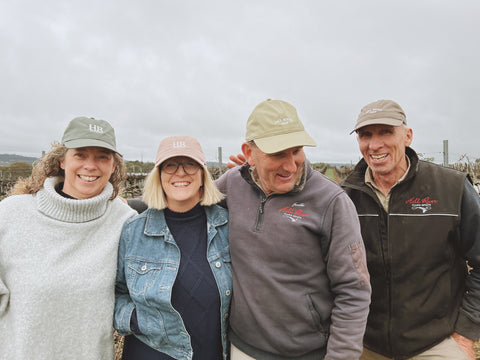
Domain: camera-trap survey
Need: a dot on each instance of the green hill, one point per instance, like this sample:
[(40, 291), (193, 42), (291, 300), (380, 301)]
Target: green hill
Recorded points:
[(8, 159)]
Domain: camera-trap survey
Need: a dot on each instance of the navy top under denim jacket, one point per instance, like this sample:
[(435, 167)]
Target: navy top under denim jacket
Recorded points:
[(148, 262)]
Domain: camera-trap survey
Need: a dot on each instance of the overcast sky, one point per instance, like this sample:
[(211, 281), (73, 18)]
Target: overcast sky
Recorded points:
[(155, 68)]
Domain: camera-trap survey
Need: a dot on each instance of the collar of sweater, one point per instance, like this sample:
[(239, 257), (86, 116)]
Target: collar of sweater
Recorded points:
[(54, 205)]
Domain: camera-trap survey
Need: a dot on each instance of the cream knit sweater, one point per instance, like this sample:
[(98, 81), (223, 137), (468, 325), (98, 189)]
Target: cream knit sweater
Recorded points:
[(57, 271)]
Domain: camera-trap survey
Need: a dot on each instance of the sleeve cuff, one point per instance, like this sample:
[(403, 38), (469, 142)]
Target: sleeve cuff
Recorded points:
[(122, 320)]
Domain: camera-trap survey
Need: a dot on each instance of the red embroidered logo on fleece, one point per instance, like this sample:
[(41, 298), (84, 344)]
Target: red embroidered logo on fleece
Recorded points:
[(294, 212)]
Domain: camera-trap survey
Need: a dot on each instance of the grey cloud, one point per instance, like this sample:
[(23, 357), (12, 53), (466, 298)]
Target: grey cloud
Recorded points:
[(159, 68)]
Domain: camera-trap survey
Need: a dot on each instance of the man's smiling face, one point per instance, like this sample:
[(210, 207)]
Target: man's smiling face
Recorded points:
[(383, 148), (278, 172)]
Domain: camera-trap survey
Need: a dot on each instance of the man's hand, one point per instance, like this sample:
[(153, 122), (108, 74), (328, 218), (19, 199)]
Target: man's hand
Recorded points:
[(237, 160), (466, 344)]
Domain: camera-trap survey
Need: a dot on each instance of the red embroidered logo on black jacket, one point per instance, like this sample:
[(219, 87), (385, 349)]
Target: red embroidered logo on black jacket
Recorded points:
[(421, 203)]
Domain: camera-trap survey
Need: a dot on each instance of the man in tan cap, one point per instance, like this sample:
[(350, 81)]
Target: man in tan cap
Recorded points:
[(420, 224), (300, 283)]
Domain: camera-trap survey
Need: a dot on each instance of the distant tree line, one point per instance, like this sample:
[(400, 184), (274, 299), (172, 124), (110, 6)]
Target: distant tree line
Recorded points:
[(15, 171), (137, 171), (139, 167)]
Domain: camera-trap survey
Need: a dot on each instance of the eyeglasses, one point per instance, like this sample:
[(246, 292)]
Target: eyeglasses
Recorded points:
[(189, 168)]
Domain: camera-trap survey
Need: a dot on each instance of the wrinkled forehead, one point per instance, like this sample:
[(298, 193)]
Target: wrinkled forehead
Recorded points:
[(284, 151), (377, 127)]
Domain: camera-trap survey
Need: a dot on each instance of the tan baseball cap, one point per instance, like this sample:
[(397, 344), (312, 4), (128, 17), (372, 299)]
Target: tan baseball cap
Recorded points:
[(180, 146), (84, 131), (386, 112), (274, 126)]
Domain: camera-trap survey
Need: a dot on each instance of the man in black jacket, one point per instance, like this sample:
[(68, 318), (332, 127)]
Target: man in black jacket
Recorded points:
[(420, 224)]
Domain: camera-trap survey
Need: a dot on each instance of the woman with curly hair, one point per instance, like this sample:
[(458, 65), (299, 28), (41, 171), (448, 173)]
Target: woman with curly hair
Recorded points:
[(59, 235)]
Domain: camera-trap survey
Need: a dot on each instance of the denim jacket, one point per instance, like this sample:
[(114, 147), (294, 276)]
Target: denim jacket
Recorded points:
[(148, 262)]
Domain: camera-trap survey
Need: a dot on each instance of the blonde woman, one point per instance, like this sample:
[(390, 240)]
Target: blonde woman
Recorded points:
[(174, 274)]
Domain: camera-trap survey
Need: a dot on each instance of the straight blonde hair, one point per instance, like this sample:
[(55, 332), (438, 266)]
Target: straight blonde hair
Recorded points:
[(154, 196)]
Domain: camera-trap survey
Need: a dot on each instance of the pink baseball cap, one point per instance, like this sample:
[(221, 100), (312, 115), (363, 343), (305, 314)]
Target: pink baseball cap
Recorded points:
[(180, 146)]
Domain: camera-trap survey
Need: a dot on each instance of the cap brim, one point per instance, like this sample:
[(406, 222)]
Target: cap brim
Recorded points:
[(165, 158), (384, 121), (79, 143), (274, 144)]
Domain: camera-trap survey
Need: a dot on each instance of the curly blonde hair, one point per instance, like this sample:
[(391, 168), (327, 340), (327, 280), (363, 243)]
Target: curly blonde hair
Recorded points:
[(49, 165)]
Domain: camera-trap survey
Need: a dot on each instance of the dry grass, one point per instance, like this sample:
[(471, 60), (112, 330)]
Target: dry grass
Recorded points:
[(118, 345)]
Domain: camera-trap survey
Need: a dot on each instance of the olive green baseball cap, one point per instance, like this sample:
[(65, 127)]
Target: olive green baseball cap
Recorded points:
[(385, 112), (274, 126), (84, 131)]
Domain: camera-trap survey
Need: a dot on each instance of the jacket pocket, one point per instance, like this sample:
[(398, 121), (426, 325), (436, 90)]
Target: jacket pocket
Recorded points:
[(141, 277), (320, 310), (227, 260)]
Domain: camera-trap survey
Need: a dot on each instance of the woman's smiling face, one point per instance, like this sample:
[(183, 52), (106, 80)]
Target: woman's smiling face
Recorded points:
[(87, 171), (182, 189)]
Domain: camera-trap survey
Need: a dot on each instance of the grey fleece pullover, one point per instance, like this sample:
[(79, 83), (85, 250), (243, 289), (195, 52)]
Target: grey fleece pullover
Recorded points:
[(300, 282)]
